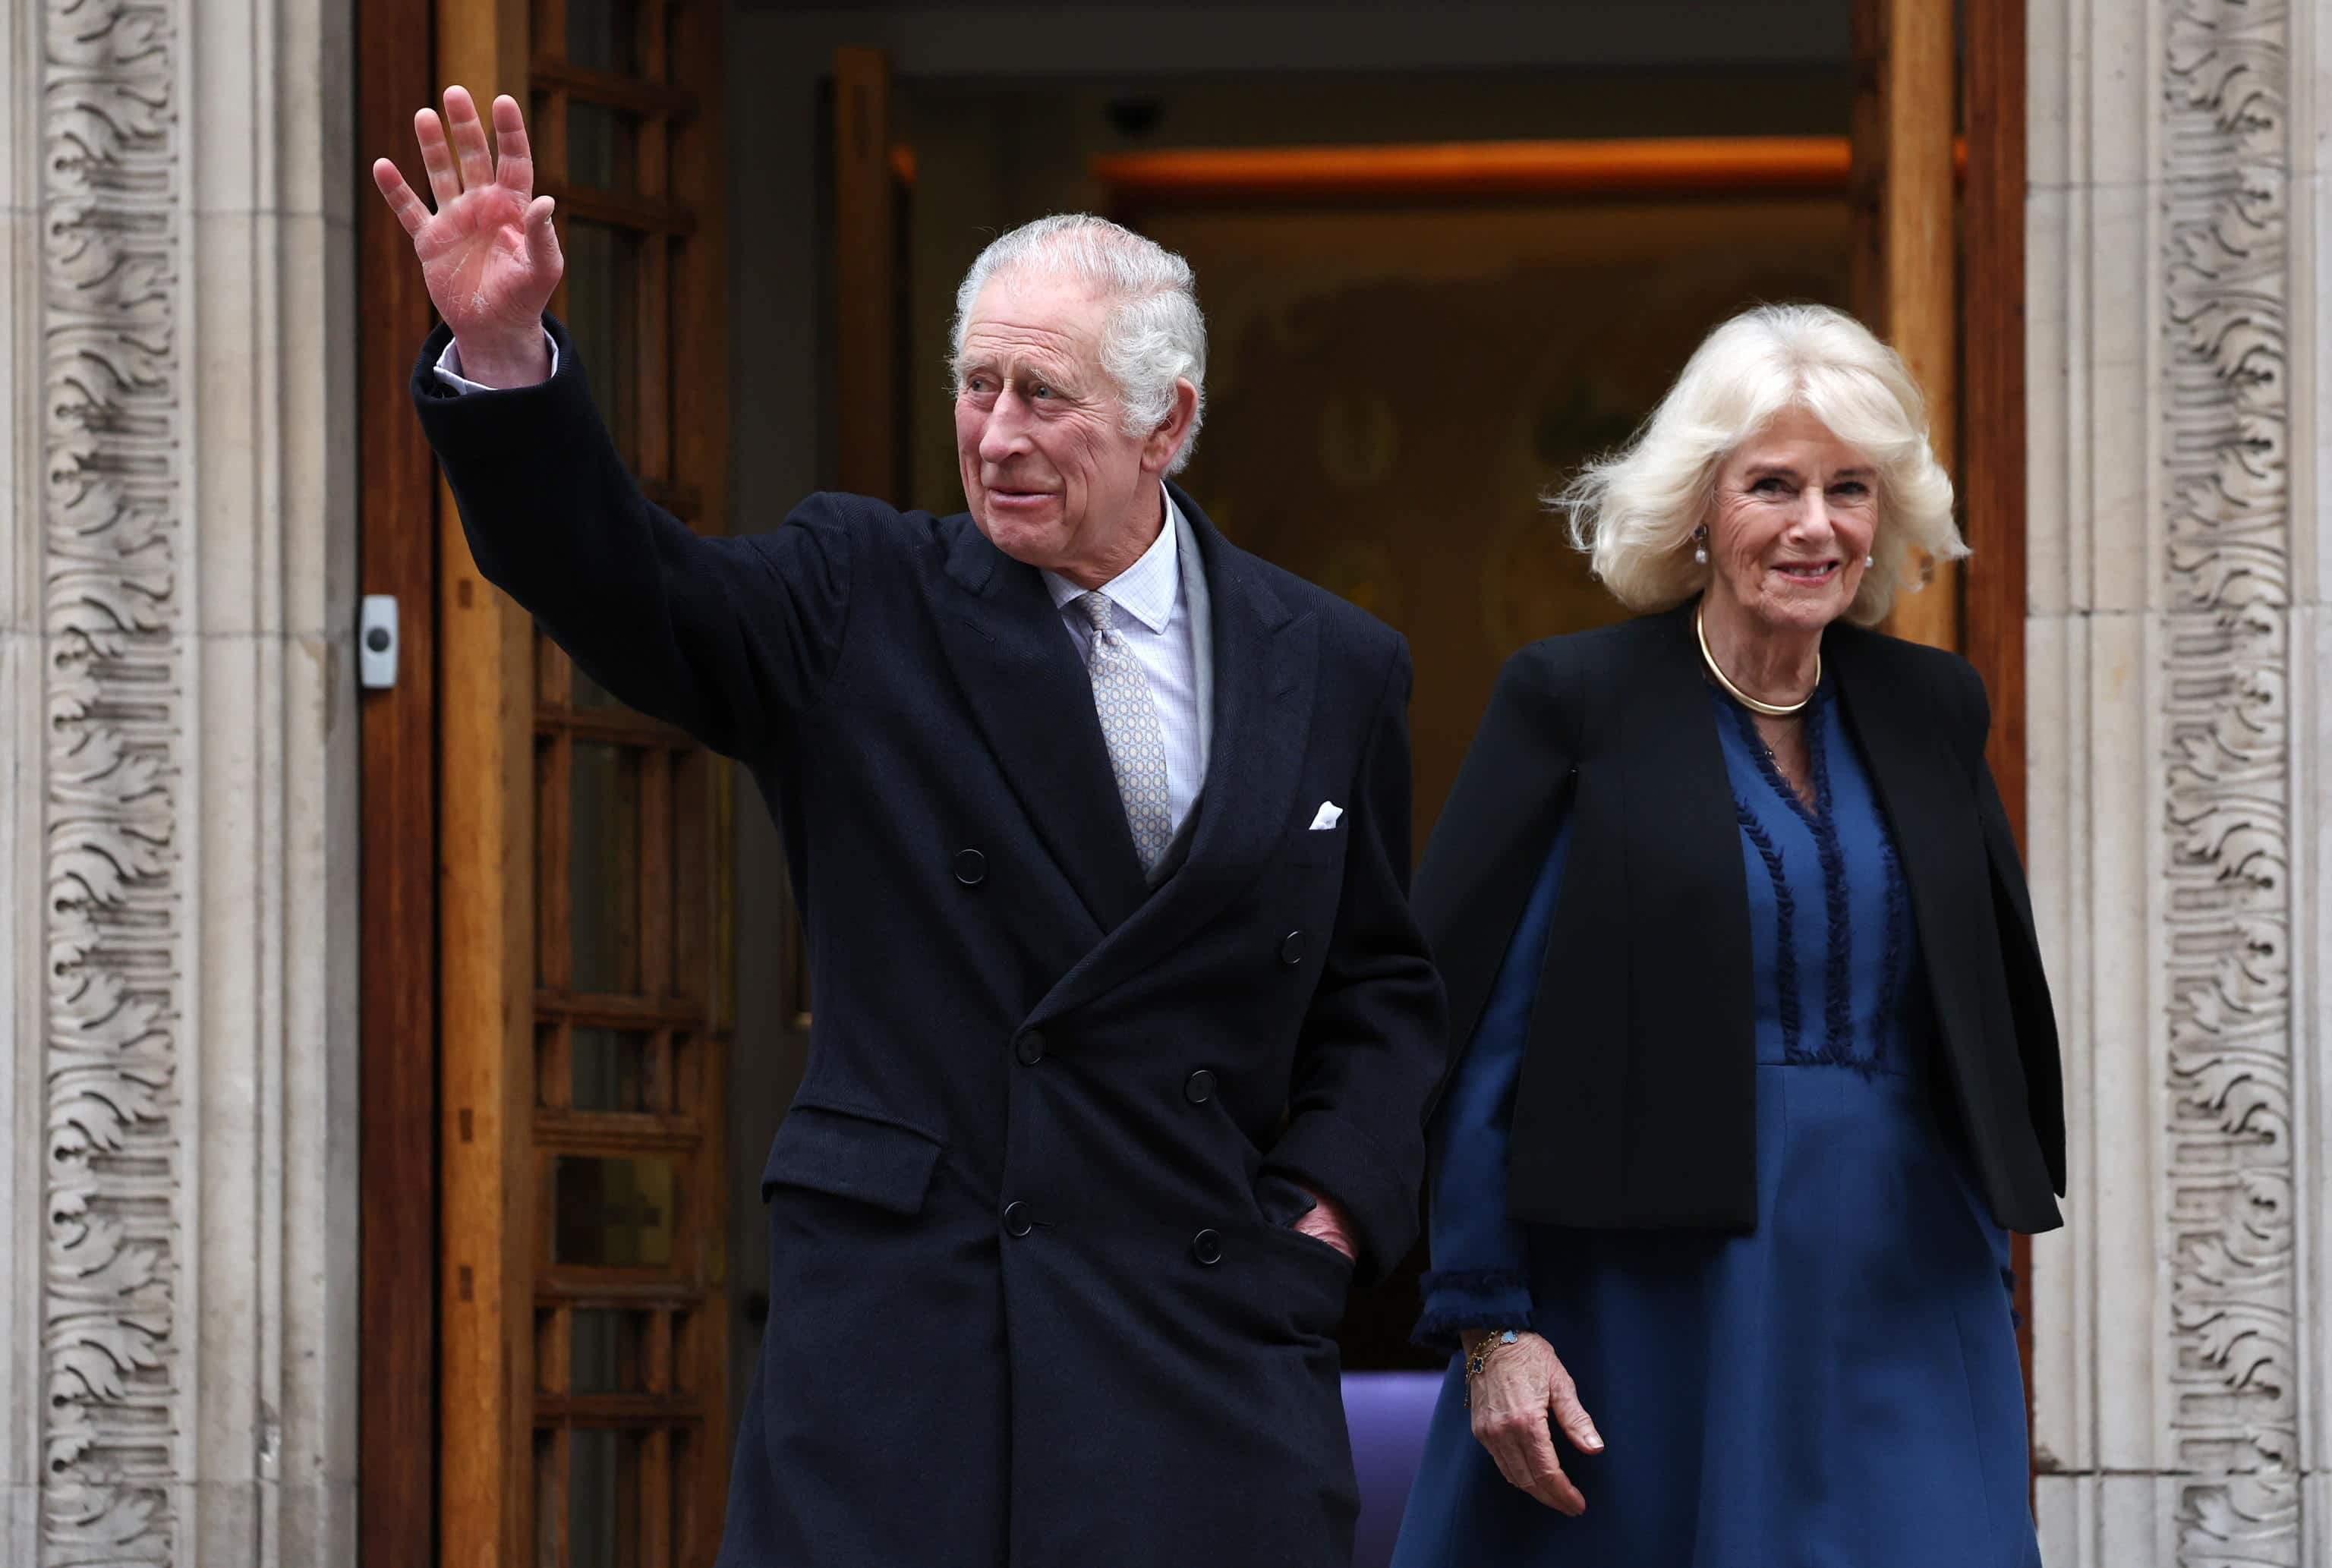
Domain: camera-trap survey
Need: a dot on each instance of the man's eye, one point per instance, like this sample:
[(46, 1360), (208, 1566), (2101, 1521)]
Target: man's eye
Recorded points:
[(975, 383), (1040, 390)]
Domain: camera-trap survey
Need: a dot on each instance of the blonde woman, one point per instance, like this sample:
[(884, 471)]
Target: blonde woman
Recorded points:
[(1757, 1063)]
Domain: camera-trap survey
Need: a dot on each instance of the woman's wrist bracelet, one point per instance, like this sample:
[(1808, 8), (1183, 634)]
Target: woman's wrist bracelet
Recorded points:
[(1490, 1342)]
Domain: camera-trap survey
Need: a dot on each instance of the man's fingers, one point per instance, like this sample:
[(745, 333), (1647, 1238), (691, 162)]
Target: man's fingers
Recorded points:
[(436, 158), (410, 209), (542, 238), (469, 134), (513, 157), (1571, 1416)]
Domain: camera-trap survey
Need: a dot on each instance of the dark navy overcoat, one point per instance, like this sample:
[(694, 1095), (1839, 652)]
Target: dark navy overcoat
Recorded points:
[(1035, 1301)]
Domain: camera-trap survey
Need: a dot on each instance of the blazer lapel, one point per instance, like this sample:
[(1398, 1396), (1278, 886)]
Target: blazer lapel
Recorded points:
[(1019, 670), (1924, 792), (1683, 842), (1265, 664)]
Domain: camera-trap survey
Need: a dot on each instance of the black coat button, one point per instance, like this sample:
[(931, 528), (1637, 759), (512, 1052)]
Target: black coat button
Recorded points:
[(1207, 1246), (971, 867), (1199, 1086), (1291, 949), (1031, 1049), (1018, 1219)]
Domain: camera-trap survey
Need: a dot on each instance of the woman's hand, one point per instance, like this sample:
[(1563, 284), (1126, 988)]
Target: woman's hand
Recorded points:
[(1520, 1385), (489, 255)]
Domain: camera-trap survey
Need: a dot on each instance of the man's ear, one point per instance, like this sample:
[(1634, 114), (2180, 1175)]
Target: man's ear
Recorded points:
[(1158, 449)]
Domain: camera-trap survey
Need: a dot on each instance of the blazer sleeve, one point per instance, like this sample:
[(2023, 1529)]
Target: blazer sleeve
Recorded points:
[(721, 635), (1371, 1044), (1480, 1277), (2019, 945), (1497, 825)]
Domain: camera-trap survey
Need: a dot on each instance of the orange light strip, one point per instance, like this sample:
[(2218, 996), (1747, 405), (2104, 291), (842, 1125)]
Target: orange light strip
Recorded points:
[(1476, 170)]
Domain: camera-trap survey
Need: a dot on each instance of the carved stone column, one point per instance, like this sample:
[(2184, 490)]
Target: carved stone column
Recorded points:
[(177, 800), (2179, 720)]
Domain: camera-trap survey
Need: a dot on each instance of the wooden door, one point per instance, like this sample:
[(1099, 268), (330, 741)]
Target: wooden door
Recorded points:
[(1904, 134), (584, 1014), (872, 175), (1939, 174)]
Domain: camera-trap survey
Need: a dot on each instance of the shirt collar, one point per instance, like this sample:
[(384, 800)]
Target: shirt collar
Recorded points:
[(1146, 589)]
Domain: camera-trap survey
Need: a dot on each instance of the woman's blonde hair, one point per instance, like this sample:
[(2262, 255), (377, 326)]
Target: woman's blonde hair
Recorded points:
[(1634, 511)]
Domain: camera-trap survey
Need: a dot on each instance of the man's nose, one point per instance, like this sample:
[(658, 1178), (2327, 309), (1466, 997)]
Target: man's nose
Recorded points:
[(1006, 432)]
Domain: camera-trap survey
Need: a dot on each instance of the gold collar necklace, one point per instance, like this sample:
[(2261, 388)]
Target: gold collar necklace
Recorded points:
[(1771, 710)]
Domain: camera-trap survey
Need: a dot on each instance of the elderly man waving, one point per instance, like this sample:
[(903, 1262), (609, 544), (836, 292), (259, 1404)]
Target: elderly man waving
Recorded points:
[(1101, 831)]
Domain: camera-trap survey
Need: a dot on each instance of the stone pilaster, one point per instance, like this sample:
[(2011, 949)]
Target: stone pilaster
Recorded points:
[(177, 1286), (2174, 695)]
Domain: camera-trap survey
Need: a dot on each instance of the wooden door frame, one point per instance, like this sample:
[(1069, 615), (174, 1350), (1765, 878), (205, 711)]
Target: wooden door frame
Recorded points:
[(1995, 483), (448, 1199), (441, 872), (396, 1471)]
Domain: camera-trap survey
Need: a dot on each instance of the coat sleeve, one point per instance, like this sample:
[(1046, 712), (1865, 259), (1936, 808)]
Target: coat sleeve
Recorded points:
[(2019, 945), (722, 636), (1480, 1277), (1372, 1042)]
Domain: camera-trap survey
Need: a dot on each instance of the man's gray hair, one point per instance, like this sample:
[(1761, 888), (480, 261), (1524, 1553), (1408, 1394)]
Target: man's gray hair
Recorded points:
[(1154, 335)]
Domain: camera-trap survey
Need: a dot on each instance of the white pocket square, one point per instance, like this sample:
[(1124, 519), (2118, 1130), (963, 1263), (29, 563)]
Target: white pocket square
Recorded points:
[(1327, 816)]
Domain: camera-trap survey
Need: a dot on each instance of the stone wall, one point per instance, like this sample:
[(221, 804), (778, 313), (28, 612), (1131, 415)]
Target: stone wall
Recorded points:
[(2179, 718), (179, 802)]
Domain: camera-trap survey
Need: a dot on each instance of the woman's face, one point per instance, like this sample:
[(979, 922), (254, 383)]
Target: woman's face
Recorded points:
[(1795, 511)]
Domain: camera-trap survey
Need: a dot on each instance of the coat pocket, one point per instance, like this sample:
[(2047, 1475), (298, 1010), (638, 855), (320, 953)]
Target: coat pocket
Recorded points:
[(851, 1156), (1319, 846)]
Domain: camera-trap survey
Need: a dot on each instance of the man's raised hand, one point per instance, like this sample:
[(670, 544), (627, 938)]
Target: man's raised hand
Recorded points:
[(488, 254)]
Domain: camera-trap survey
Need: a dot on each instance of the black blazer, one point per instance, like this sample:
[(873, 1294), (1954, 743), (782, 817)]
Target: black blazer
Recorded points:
[(1637, 1102), (1028, 1208)]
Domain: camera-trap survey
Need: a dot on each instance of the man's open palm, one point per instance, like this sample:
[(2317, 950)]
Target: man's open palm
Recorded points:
[(488, 254)]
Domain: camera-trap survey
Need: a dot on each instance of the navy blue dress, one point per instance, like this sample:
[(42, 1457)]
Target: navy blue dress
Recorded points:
[(1839, 1389)]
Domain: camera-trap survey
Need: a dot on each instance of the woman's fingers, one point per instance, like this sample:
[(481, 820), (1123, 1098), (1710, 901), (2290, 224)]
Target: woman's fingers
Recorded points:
[(1562, 1403), (1552, 1488), (469, 134), (1509, 1465), (436, 157), (1526, 1459), (514, 158), (410, 209), (1519, 1387)]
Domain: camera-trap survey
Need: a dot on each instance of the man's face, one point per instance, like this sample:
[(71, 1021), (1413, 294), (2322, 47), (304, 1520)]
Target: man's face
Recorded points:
[(1049, 473)]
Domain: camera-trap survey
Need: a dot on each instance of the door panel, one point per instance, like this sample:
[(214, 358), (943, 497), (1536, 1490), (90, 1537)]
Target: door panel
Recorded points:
[(1905, 129), (398, 1413), (586, 1363)]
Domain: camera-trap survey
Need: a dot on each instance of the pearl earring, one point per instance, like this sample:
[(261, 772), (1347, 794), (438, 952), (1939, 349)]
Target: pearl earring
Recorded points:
[(1868, 562), (1700, 545)]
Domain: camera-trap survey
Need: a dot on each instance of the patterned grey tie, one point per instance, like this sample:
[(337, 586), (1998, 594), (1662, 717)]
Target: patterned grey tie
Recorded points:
[(1129, 725)]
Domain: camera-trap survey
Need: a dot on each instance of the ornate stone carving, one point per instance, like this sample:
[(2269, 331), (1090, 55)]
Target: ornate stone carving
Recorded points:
[(111, 519), (2230, 1171)]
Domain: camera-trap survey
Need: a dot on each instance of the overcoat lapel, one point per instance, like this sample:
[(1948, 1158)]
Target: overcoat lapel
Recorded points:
[(1033, 700), (1265, 659)]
